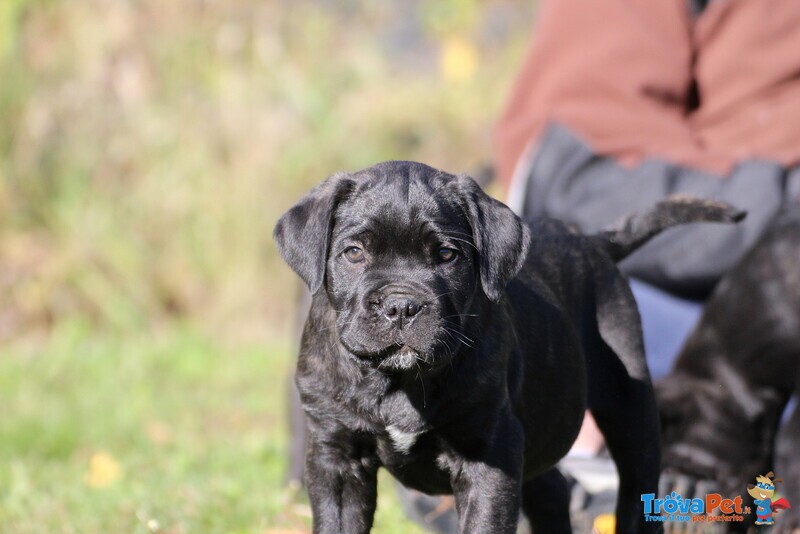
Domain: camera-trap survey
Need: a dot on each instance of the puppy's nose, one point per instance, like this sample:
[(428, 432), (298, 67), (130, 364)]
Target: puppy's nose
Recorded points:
[(398, 307)]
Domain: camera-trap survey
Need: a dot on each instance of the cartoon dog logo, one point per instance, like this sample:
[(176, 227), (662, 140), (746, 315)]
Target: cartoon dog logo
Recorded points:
[(762, 493)]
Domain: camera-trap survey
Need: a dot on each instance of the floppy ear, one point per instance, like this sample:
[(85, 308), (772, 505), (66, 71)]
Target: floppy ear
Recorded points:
[(501, 238), (303, 233)]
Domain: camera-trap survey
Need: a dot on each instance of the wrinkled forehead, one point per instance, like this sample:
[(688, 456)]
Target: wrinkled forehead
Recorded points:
[(400, 208)]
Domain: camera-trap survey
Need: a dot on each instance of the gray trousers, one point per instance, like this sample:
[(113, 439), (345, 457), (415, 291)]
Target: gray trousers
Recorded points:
[(565, 180)]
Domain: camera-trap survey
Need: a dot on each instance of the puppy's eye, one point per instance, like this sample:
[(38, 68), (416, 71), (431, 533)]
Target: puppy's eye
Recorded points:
[(447, 254), (354, 254)]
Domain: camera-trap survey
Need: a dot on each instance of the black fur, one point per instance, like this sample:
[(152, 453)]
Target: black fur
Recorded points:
[(636, 229), (721, 406), (466, 376)]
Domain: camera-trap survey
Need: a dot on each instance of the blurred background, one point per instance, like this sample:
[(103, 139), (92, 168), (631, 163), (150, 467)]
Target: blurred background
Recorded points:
[(147, 148)]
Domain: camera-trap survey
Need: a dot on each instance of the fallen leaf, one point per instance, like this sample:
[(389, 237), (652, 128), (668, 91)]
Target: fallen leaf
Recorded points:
[(604, 524), (103, 470)]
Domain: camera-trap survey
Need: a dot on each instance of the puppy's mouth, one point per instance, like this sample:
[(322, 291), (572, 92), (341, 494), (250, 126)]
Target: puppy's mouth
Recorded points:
[(396, 357), (397, 349)]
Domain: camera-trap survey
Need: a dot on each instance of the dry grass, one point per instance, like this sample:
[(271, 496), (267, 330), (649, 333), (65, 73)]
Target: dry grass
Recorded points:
[(146, 149)]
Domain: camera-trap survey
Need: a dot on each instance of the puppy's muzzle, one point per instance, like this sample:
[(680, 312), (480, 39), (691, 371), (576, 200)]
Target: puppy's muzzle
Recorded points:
[(396, 328), (401, 309), (399, 306)]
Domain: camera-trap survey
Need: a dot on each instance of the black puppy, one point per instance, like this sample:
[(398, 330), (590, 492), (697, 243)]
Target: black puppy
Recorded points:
[(451, 343), (722, 404)]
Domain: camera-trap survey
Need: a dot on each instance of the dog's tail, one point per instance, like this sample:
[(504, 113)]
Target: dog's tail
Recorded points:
[(636, 229)]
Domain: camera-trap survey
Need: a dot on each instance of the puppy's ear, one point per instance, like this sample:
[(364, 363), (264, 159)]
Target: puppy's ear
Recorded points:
[(303, 233), (501, 238)]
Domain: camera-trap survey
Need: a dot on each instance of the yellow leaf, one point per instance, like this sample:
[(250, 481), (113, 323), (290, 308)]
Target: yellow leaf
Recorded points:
[(604, 524), (103, 471), (459, 60)]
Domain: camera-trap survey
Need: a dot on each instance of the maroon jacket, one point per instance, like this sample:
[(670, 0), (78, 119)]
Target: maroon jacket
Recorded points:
[(619, 73)]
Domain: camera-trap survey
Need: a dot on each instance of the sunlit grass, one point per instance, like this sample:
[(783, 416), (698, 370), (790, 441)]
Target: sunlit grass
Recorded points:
[(141, 177), (173, 432), (146, 150)]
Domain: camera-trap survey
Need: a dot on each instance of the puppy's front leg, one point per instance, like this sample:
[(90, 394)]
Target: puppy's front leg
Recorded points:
[(488, 488), (341, 477)]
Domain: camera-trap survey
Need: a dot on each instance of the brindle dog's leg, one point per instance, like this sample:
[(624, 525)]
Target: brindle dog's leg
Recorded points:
[(342, 482), (629, 424), (545, 501), (622, 401), (488, 487)]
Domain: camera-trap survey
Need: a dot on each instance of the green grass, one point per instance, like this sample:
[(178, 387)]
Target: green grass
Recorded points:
[(196, 427), (146, 150)]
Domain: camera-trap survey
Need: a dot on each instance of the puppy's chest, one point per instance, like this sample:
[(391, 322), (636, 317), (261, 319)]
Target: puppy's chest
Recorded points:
[(401, 422), (410, 448), (401, 440)]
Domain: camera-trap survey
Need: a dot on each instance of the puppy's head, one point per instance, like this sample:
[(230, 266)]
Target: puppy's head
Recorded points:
[(407, 255)]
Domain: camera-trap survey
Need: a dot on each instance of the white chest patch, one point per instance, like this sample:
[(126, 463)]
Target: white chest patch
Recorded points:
[(403, 441)]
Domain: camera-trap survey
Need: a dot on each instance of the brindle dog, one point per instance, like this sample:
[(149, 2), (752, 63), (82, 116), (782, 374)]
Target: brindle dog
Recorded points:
[(458, 347)]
